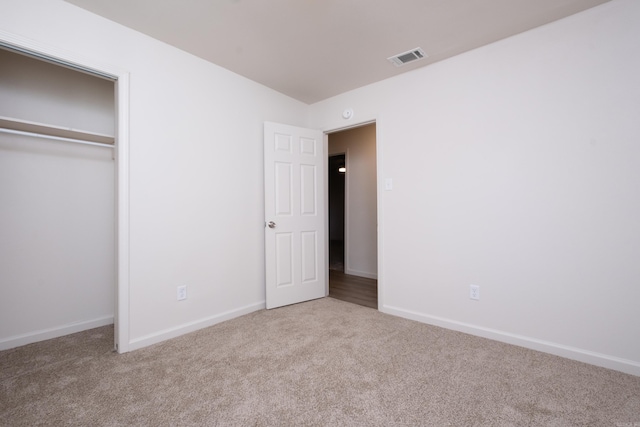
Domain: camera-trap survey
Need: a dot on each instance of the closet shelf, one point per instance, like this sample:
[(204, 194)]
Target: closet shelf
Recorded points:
[(52, 130)]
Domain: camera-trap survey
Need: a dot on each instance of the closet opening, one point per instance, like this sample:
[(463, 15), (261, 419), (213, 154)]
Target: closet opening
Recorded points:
[(59, 190)]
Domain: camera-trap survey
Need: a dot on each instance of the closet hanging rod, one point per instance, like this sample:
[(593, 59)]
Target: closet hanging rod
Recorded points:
[(57, 138)]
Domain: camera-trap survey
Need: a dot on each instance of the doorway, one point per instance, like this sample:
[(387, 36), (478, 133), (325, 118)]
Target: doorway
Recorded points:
[(352, 215), (118, 139)]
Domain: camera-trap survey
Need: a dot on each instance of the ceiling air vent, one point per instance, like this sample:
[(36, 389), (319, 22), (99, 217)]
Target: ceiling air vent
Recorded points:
[(408, 56)]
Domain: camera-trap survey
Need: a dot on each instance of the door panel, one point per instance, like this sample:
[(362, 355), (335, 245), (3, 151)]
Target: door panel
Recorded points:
[(309, 188), (284, 259), (283, 182), (294, 205), (309, 256)]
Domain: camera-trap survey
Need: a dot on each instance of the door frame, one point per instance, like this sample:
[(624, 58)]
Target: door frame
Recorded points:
[(333, 129), (121, 154)]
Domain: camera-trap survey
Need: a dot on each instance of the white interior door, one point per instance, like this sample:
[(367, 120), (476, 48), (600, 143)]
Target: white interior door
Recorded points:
[(294, 214)]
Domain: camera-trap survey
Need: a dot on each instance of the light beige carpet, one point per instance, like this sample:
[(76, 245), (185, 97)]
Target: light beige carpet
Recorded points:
[(321, 363)]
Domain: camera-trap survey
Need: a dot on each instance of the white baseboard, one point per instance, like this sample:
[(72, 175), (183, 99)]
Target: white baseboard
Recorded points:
[(360, 274), (606, 361), (55, 332), (166, 334)]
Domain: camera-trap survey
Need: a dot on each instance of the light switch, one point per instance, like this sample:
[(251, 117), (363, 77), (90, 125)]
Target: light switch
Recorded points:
[(388, 184)]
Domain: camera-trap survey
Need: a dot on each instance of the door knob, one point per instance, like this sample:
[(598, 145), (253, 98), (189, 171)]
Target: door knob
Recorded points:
[(271, 224)]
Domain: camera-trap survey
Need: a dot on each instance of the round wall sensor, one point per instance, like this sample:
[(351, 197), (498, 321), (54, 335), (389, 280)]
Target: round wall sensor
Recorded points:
[(347, 114)]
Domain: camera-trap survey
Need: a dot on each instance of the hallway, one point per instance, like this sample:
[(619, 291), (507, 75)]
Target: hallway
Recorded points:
[(354, 289)]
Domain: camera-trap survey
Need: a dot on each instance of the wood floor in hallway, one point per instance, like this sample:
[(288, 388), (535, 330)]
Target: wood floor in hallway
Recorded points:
[(354, 289)]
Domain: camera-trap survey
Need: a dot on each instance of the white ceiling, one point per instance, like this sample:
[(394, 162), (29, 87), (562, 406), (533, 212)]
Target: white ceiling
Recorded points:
[(314, 49)]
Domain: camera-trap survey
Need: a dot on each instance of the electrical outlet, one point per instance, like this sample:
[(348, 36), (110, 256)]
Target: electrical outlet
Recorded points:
[(182, 292), (474, 292)]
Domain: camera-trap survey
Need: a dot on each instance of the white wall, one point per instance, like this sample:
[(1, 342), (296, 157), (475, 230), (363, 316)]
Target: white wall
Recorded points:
[(196, 184), (361, 210), (57, 267), (515, 167)]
